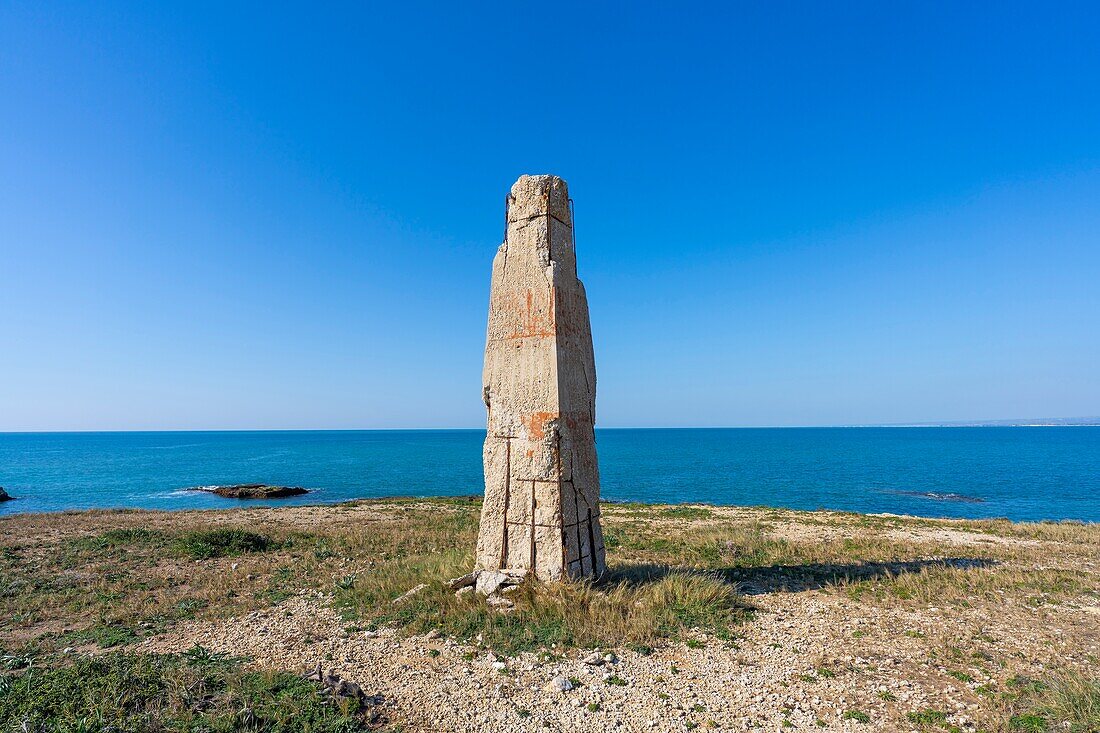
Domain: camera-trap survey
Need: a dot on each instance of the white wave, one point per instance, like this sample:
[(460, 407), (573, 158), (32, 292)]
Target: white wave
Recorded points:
[(173, 447)]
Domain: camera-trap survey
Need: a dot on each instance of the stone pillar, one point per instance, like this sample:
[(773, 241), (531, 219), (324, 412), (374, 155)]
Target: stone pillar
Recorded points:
[(542, 482)]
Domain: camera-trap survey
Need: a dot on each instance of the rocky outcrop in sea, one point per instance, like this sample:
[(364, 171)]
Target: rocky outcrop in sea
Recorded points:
[(253, 491)]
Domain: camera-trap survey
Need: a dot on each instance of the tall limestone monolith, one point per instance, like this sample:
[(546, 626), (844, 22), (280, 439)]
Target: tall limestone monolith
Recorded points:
[(542, 482)]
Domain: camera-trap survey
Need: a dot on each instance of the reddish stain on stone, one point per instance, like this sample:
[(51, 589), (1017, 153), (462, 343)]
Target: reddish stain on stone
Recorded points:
[(532, 321), (536, 424)]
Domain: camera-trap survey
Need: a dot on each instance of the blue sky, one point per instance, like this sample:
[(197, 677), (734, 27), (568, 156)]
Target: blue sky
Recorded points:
[(261, 216)]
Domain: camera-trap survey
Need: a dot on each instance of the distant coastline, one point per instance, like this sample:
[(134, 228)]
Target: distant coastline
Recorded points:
[(1045, 422)]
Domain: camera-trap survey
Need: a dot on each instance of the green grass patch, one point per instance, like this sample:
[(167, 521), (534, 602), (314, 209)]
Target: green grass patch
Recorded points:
[(124, 537), (200, 656), (1028, 723), (105, 636), (205, 544), (135, 693), (927, 716), (687, 512)]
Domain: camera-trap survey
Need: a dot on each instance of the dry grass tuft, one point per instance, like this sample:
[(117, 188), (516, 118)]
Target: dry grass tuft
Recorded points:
[(1066, 701), (627, 608)]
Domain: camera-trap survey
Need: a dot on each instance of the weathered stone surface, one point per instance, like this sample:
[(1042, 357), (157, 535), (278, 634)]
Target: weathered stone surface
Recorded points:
[(462, 581), (254, 491), (488, 582), (542, 483)]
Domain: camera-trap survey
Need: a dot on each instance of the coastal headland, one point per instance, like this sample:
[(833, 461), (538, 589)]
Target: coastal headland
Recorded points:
[(725, 618)]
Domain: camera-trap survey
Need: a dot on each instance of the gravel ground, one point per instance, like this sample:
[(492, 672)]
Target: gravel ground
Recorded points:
[(808, 660)]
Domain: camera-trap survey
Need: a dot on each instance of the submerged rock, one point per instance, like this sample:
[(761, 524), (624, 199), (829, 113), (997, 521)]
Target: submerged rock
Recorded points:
[(5, 496), (254, 491), (940, 496)]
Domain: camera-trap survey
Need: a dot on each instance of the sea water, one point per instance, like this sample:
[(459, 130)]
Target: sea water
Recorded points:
[(1023, 473)]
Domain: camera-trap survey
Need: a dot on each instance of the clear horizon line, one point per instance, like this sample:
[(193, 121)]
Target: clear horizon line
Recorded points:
[(1087, 421)]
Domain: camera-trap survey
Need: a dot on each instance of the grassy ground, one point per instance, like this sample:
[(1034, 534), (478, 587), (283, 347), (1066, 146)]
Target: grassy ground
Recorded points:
[(96, 581), (134, 693)]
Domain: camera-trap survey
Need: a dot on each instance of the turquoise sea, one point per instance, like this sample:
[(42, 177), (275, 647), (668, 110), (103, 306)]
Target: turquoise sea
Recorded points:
[(1023, 473)]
